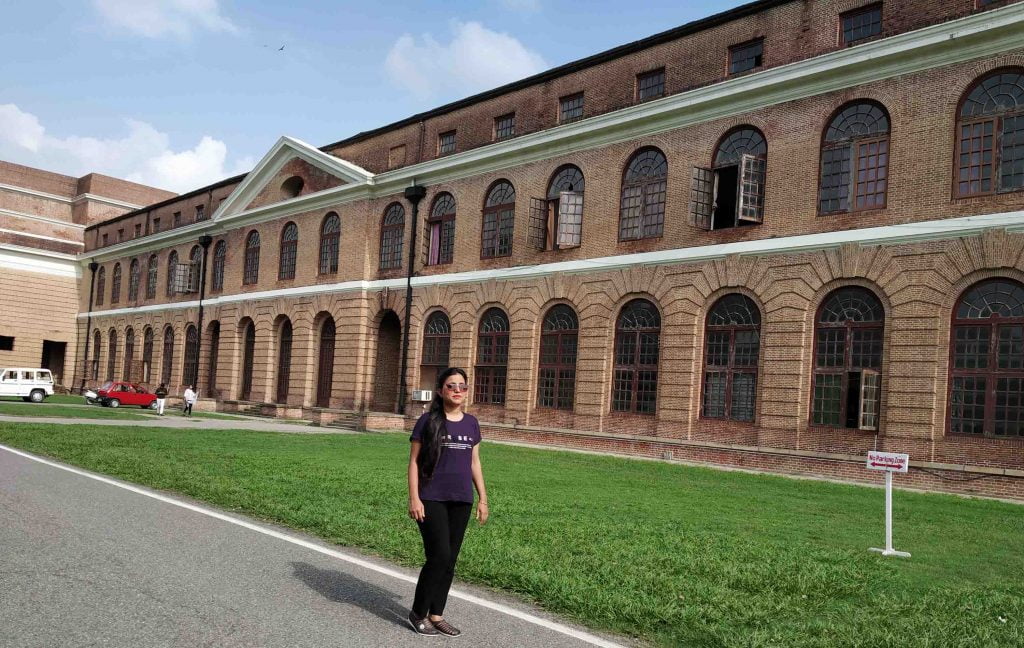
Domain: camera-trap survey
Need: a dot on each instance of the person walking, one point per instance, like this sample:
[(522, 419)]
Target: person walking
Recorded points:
[(161, 398), (190, 399), (444, 466)]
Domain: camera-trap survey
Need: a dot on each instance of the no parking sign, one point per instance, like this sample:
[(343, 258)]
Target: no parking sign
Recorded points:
[(890, 462)]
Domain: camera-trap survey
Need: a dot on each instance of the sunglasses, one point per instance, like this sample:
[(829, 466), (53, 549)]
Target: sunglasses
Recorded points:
[(458, 387)]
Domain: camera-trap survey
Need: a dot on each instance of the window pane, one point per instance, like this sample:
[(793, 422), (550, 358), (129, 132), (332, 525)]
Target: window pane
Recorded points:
[(862, 24), (1009, 415), (714, 393), (650, 85), (828, 390), (872, 174), (748, 344), (571, 108), (835, 180), (744, 386), (831, 350), (970, 347), (718, 349), (1011, 162), (976, 161), (866, 351), (745, 57), (967, 411)]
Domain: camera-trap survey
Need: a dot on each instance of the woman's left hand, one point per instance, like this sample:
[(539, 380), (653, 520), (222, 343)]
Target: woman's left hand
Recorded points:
[(481, 512)]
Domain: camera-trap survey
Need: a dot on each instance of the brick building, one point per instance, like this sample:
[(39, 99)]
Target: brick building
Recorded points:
[(773, 238), (43, 217)]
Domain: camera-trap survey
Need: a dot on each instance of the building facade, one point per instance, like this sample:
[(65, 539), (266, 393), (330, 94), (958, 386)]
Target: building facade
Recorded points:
[(774, 238), (43, 217)]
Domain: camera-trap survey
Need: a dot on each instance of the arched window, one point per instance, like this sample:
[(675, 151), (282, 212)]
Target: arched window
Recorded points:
[(642, 207), (101, 285), (211, 374), (492, 358), (284, 361), (990, 136), (437, 340), (855, 159), (97, 340), (195, 259), (151, 277), (498, 221), (190, 368), (847, 360), (129, 354), (441, 230), (986, 377), (330, 243), (556, 368), (112, 355), (248, 355), (147, 355), (289, 250), (252, 258), (637, 343), (731, 192), (168, 360), (325, 366), (732, 344), (133, 281), (392, 229), (556, 221), (172, 272), (115, 284), (220, 252)]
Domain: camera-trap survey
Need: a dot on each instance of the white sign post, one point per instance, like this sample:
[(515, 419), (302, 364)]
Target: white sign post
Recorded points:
[(890, 462)]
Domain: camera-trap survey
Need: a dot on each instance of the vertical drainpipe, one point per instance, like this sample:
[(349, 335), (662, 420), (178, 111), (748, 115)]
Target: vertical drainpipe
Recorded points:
[(88, 324), (414, 195), (205, 240)]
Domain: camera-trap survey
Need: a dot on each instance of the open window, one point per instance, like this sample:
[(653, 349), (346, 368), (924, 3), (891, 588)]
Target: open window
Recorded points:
[(556, 222), (730, 193), (870, 397)]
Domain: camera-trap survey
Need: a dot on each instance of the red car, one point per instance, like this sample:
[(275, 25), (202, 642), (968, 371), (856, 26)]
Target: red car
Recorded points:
[(116, 394)]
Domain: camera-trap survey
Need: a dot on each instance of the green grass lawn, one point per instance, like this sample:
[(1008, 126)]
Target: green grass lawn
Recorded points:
[(676, 555), (47, 409), (56, 399), (176, 412)]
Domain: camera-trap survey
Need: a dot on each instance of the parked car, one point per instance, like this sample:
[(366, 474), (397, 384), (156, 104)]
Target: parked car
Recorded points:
[(31, 384), (117, 393)]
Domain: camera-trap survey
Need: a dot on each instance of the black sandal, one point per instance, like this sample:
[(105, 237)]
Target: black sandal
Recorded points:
[(446, 628), (422, 626)]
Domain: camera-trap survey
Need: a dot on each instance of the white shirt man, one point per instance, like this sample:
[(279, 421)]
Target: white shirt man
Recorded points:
[(190, 399)]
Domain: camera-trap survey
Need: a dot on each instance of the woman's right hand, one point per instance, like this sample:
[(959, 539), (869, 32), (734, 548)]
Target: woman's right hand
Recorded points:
[(416, 511)]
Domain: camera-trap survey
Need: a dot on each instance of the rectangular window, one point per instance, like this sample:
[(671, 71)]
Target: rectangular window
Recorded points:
[(177, 219), (977, 164), (120, 234), (396, 156), (156, 225), (104, 238), (650, 85), (138, 230), (747, 56), (504, 126), (872, 174), (6, 343), (835, 180), (1011, 154), (556, 223), (446, 143), (860, 24), (570, 108), (200, 212)]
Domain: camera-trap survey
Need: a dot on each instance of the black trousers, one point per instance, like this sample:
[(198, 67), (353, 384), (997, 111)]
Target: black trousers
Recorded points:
[(442, 529), (188, 409)]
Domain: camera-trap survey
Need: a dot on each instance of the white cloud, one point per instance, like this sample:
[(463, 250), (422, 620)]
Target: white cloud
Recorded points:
[(142, 155), (158, 18), (475, 59)]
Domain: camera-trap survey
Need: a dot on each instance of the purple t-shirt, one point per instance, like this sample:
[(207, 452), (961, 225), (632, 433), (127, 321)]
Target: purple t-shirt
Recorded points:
[(453, 476)]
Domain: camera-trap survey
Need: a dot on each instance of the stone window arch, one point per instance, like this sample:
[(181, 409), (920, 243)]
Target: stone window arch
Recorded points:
[(392, 231), (440, 239), (855, 159), (642, 205), (251, 274), (330, 243), (289, 251), (498, 224)]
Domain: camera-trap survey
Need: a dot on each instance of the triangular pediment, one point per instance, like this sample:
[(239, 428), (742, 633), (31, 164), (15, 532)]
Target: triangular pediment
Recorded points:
[(288, 158)]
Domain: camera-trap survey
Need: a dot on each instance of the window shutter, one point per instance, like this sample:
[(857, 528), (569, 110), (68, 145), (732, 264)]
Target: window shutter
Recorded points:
[(702, 190), (570, 219), (870, 395), (537, 233), (752, 176)]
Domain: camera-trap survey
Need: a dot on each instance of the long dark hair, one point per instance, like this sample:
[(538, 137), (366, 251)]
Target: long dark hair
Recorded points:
[(430, 450)]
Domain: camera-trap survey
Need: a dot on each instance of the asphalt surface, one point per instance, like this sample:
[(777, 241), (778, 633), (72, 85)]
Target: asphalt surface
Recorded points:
[(88, 563)]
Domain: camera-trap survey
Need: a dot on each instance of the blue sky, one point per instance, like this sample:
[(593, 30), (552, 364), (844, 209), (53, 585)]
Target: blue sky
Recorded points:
[(181, 93)]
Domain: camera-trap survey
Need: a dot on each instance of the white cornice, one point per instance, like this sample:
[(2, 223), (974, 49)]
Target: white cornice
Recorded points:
[(806, 243), (16, 257), (42, 219), (69, 201), (978, 35), (40, 236), (113, 202)]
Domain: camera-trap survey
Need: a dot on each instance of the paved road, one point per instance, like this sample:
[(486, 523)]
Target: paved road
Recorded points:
[(84, 562)]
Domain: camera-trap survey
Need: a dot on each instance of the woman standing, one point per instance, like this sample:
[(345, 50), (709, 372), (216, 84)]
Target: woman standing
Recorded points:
[(444, 465)]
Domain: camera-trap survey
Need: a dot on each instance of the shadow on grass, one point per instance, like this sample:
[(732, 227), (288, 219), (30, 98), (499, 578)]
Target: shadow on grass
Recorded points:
[(345, 588)]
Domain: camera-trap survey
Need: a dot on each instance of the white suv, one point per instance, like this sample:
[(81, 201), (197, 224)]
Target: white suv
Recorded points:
[(31, 384)]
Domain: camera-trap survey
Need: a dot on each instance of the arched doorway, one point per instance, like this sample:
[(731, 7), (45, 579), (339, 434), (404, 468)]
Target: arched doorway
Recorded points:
[(325, 366), (389, 351)]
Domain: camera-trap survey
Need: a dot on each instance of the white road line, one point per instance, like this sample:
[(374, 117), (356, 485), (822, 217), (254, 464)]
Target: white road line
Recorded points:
[(498, 607)]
